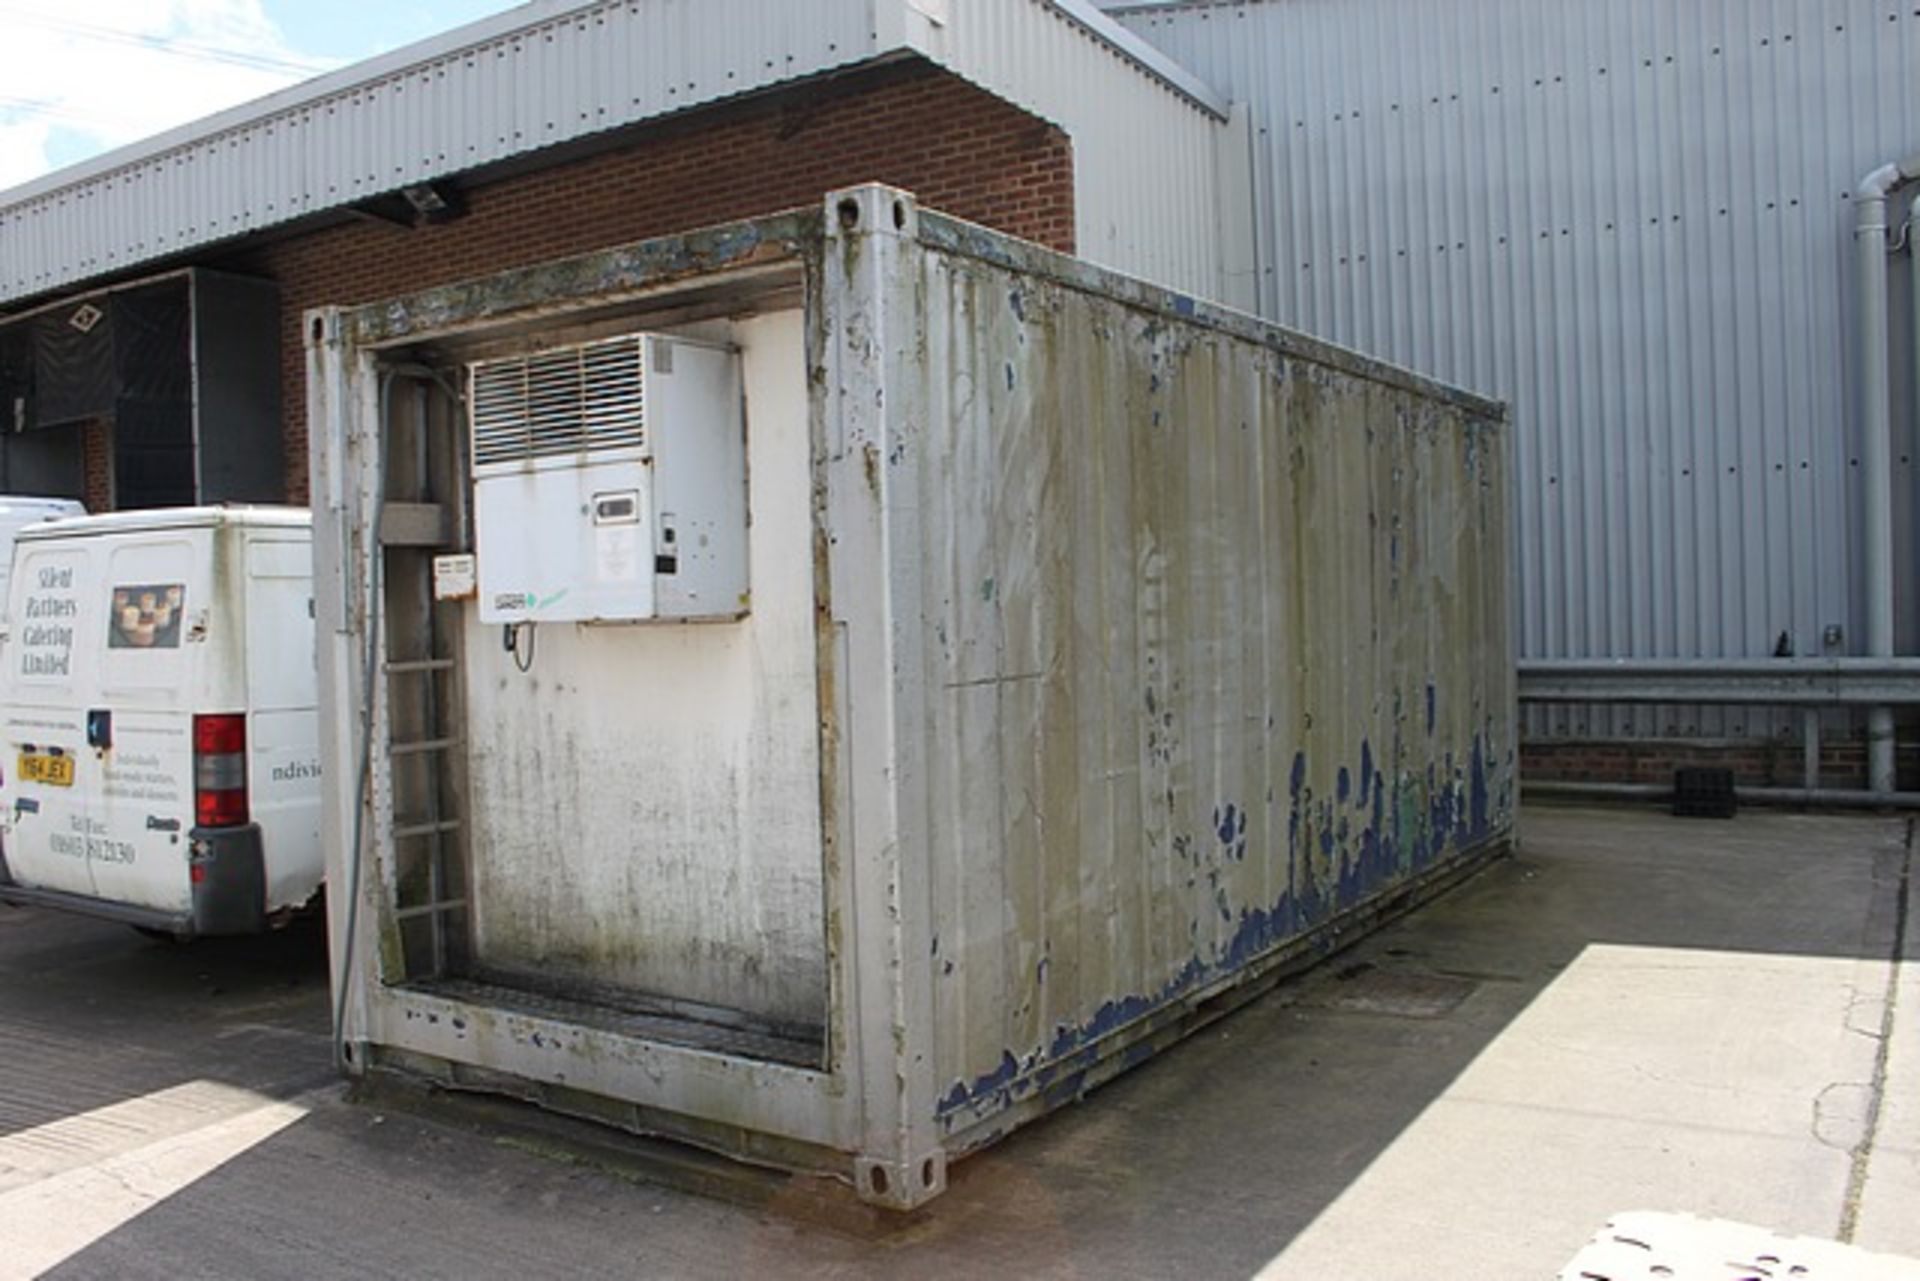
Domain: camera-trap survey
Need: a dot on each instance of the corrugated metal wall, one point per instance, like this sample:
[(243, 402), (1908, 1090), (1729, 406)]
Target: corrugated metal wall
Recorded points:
[(1632, 220), (1145, 157), (1210, 633), (369, 130), (511, 85)]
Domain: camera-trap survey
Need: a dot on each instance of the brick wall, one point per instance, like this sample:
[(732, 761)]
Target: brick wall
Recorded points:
[(1764, 763), (96, 465), (959, 149)]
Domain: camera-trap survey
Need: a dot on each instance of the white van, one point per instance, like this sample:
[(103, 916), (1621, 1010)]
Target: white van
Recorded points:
[(16, 513), (159, 742)]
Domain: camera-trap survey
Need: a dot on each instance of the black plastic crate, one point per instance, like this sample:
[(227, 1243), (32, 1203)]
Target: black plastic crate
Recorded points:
[(1703, 793)]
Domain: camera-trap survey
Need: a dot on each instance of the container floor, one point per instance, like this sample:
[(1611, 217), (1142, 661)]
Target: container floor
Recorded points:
[(636, 1015)]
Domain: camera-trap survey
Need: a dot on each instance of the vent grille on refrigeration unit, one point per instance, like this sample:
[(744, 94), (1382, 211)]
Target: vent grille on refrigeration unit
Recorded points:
[(587, 399)]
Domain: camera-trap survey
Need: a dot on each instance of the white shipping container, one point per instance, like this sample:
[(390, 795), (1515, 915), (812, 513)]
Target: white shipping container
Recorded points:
[(1107, 653)]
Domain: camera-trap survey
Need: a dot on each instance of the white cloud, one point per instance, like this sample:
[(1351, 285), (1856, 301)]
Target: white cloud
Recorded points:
[(89, 75)]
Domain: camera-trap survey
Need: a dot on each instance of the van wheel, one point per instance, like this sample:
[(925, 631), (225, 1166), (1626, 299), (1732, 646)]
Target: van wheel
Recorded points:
[(162, 936)]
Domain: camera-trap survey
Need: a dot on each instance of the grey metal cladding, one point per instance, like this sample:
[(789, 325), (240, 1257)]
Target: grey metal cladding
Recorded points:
[(1630, 220)]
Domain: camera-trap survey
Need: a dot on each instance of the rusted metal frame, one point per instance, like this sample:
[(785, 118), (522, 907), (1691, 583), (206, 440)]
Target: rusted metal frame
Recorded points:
[(605, 278), (968, 240), (870, 268), (343, 408), (661, 1081), (739, 1140), (673, 1092), (328, 410)]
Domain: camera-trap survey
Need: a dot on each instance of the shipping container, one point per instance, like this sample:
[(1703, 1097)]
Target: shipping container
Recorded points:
[(1080, 657)]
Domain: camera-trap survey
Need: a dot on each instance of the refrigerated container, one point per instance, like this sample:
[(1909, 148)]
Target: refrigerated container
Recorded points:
[(1093, 655)]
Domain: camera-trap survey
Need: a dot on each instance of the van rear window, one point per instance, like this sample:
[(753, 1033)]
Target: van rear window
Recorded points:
[(146, 616)]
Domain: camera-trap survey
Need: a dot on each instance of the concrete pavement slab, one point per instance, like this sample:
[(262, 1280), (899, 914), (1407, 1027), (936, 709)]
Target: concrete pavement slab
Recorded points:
[(1889, 1192), (1637, 1013)]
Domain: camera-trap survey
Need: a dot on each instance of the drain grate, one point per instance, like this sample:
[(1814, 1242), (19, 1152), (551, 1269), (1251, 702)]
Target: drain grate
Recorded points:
[(1405, 994)]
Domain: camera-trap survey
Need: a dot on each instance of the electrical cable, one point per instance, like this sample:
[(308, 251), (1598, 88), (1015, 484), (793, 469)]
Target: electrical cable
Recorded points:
[(517, 647), (169, 46)]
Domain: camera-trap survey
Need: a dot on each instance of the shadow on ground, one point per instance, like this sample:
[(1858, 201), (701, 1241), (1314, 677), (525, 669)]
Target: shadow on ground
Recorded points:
[(1208, 1161)]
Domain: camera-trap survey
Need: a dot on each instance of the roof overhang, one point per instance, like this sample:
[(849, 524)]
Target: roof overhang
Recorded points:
[(461, 101)]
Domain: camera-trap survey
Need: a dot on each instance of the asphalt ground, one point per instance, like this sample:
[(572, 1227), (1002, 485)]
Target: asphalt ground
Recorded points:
[(1635, 1013)]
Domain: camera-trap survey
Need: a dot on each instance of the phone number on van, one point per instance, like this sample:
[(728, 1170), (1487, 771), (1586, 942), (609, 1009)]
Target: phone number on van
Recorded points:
[(95, 849)]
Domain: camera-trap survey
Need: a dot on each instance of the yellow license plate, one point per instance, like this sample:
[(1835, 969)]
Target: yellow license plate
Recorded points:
[(54, 771)]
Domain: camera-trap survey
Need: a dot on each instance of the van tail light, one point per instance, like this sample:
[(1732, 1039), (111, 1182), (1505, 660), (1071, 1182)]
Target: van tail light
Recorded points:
[(220, 771)]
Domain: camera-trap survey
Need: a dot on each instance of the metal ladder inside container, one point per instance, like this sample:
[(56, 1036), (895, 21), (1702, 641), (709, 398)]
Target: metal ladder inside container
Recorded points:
[(430, 823), (423, 750)]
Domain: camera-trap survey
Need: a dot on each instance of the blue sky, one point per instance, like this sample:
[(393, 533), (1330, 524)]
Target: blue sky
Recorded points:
[(353, 29), (86, 76)]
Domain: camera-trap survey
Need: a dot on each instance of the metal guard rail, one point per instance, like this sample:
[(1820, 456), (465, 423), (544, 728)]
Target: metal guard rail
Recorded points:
[(1808, 683), (1800, 682)]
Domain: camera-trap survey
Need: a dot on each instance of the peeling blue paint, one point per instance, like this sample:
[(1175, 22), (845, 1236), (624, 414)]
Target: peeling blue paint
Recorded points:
[(985, 1086), (1230, 825), (1477, 795), (1432, 706), (1342, 852)]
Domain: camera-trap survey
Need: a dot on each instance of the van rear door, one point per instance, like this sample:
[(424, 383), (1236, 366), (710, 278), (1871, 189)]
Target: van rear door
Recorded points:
[(151, 666), (283, 725), (43, 784)]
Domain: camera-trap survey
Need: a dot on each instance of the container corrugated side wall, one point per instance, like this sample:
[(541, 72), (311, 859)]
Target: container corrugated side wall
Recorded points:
[(1214, 640), (1631, 220)]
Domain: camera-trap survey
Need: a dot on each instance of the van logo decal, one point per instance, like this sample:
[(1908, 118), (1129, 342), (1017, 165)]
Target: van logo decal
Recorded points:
[(162, 824), (296, 771), (509, 602)]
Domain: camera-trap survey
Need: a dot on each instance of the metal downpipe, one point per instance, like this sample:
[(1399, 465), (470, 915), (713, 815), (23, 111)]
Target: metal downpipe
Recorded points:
[(1876, 442)]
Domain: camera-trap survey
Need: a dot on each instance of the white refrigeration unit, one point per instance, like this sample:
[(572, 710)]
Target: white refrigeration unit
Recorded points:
[(610, 483)]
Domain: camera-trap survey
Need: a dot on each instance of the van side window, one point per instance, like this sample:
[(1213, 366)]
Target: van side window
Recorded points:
[(146, 616)]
